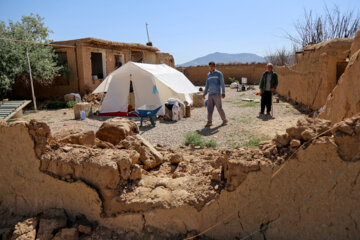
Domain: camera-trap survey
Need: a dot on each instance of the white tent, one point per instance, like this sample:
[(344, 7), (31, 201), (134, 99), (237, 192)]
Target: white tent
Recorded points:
[(153, 84)]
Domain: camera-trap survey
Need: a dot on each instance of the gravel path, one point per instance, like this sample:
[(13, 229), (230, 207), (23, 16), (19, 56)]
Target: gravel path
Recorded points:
[(244, 128)]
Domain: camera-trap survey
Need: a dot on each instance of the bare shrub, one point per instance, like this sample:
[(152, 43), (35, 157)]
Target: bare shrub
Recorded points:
[(331, 24), (281, 57)]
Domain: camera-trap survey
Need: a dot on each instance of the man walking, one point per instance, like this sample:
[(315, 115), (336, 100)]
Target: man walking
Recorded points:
[(268, 84), (215, 86)]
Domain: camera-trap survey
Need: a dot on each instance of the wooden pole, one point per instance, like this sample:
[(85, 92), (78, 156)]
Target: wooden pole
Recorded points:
[(272, 105), (31, 80)]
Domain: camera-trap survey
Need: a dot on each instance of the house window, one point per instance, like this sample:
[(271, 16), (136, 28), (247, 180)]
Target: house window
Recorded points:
[(62, 58), (118, 60), (97, 70), (137, 56), (63, 79)]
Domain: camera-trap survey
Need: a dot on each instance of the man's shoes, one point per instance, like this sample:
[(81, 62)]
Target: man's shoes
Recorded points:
[(225, 122), (208, 124), (261, 113), (268, 113)]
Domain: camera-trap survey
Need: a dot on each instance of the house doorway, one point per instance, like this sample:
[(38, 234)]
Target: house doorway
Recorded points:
[(340, 69), (119, 60), (97, 66)]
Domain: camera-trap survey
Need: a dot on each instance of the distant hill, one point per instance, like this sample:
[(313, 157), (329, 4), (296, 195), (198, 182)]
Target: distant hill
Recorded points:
[(218, 57)]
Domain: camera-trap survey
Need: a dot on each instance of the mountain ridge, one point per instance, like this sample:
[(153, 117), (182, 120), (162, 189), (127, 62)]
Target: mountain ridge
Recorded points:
[(219, 57)]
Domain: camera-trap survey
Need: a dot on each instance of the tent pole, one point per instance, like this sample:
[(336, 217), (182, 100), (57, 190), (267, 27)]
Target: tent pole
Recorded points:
[(31, 80)]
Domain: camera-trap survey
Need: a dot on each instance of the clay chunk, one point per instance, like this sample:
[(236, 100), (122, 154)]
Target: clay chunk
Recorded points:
[(116, 129)]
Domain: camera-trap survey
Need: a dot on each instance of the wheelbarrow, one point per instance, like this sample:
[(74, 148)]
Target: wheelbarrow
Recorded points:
[(147, 111)]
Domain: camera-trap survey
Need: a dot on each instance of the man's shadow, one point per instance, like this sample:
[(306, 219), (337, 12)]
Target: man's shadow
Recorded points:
[(265, 117), (207, 131)]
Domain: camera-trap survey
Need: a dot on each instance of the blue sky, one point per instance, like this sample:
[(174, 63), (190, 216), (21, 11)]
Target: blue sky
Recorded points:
[(187, 29)]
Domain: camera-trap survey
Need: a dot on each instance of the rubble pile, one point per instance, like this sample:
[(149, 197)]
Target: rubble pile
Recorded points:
[(57, 225), (93, 98), (310, 130), (282, 146)]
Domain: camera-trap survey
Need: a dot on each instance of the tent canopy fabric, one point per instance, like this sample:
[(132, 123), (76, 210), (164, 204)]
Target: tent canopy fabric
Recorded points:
[(152, 84)]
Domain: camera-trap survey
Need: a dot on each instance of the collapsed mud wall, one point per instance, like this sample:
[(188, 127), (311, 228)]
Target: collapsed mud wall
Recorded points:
[(344, 100), (253, 72), (316, 73), (182, 191)]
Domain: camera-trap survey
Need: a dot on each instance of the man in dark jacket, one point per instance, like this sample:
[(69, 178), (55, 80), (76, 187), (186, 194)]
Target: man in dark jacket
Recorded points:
[(268, 84)]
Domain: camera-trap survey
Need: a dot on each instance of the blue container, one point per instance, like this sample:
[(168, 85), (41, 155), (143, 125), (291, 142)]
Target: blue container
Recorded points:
[(206, 102), (82, 115)]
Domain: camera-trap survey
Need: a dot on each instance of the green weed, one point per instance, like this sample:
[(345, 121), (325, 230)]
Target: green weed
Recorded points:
[(60, 104), (194, 138), (248, 104), (254, 141)]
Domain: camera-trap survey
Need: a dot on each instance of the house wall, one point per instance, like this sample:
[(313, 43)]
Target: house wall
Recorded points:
[(87, 84), (253, 72), (22, 89), (149, 57), (79, 62), (310, 81), (165, 58), (344, 100)]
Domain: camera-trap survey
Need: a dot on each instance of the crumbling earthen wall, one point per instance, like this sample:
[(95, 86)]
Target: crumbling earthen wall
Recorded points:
[(319, 66), (253, 72), (185, 191), (344, 100)]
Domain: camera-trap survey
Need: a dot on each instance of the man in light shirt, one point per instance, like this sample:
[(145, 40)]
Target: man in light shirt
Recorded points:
[(268, 84), (215, 86)]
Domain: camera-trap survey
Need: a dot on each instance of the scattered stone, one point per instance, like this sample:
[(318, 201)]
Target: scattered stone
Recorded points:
[(103, 144), (308, 134), (48, 226), (149, 156), (25, 230), (176, 158), (69, 234), (136, 172), (343, 128), (116, 129), (84, 229), (216, 175), (295, 143), (295, 132), (182, 167), (282, 140)]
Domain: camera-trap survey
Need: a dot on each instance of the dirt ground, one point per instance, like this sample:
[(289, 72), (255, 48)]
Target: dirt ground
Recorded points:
[(245, 127)]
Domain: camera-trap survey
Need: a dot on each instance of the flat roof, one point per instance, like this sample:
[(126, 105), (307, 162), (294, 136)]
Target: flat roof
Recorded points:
[(97, 41)]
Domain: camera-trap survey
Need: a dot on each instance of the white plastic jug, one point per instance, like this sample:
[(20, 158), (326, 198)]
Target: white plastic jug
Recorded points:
[(82, 114)]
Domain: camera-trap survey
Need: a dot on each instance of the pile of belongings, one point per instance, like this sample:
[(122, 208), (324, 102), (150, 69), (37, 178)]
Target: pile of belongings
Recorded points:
[(174, 109), (72, 97)]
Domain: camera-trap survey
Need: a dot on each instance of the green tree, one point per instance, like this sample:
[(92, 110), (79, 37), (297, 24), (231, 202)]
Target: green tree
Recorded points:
[(13, 62)]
